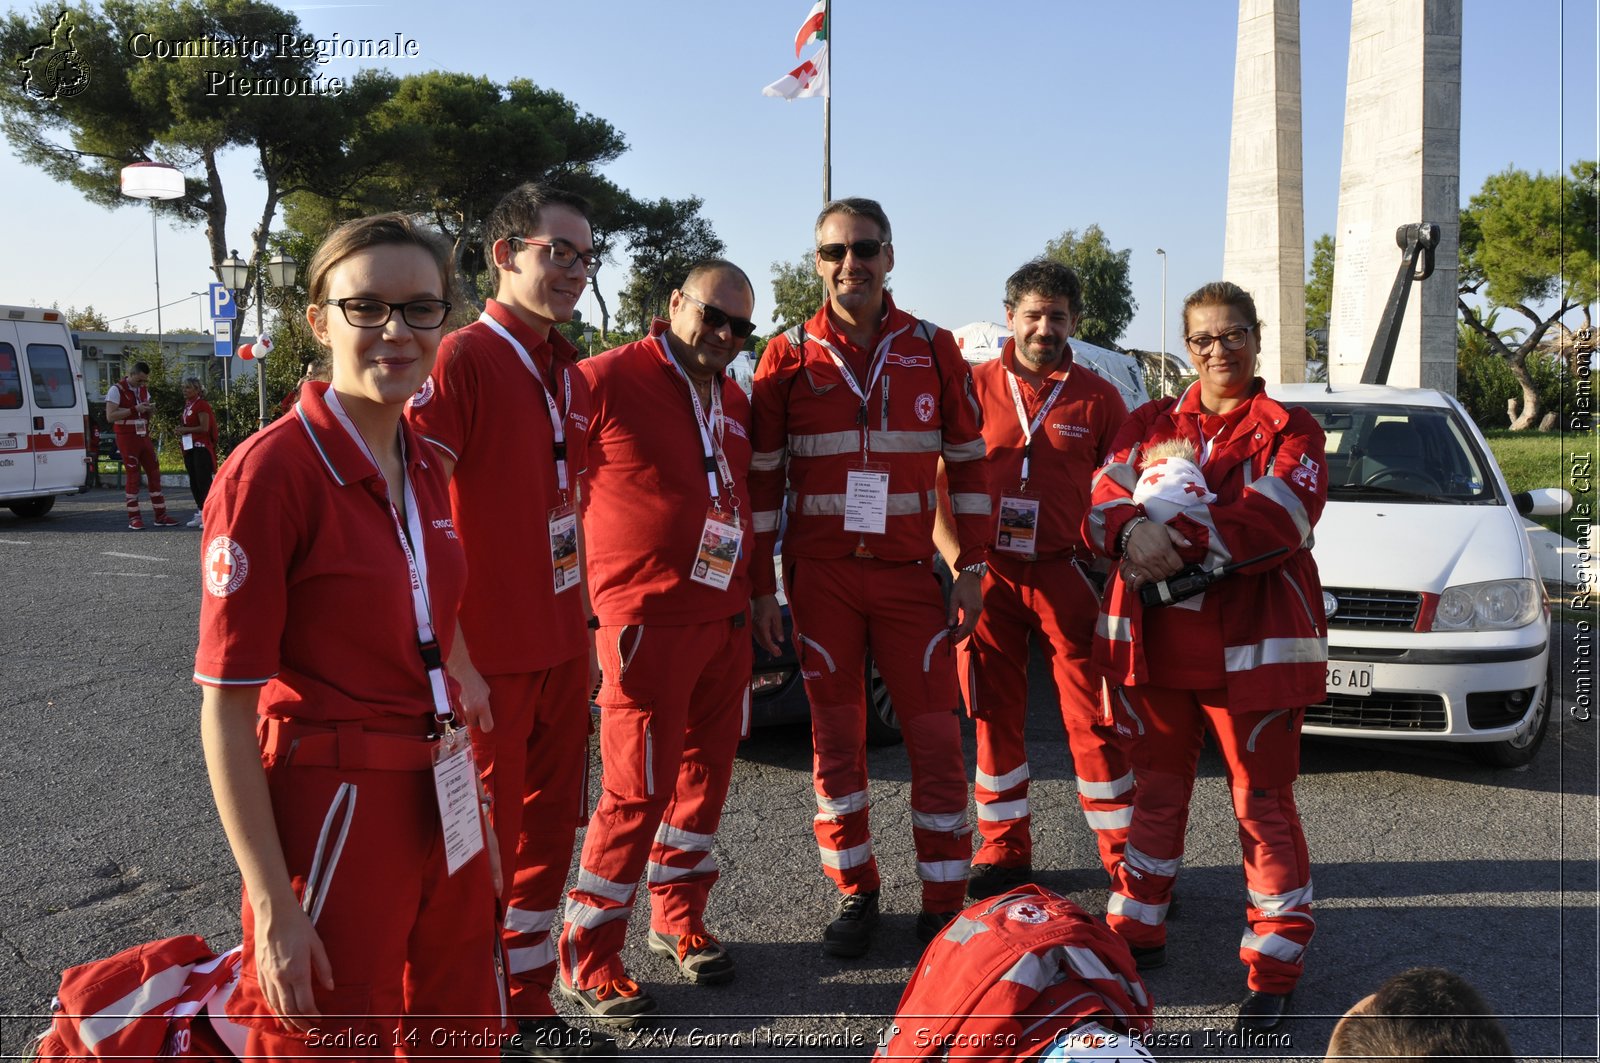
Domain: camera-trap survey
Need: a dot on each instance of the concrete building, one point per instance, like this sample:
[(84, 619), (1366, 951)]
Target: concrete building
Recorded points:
[(1264, 251), (1401, 165)]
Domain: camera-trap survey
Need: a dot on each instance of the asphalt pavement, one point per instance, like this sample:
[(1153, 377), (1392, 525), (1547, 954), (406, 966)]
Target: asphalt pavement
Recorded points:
[(1421, 857)]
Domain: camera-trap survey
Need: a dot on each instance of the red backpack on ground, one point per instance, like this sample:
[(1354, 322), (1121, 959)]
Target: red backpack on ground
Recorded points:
[(150, 1002), (1011, 974)]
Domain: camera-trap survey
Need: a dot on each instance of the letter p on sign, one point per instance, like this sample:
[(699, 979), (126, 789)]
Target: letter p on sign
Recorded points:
[(223, 308)]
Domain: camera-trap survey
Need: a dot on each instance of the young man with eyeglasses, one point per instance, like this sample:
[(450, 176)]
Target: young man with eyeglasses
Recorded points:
[(1047, 423), (507, 389), (854, 409), (667, 511)]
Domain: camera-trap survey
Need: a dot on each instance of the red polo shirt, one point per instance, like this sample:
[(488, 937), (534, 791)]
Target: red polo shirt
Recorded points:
[(1068, 446), (306, 589), (482, 407), (646, 495)]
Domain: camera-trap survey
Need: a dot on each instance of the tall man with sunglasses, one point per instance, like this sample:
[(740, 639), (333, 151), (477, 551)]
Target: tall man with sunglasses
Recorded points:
[(667, 510), (854, 409), (509, 412)]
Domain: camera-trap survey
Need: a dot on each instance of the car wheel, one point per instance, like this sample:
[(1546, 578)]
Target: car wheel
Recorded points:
[(1518, 751), (883, 728), (30, 508)]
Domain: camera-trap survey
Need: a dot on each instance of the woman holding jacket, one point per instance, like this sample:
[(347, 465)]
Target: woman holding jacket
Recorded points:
[(1240, 660)]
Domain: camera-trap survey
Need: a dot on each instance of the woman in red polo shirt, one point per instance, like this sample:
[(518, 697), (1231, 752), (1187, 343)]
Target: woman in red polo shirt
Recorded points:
[(332, 577)]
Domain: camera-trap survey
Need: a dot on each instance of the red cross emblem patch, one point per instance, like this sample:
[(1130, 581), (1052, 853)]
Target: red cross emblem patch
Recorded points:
[(58, 434), (226, 566)]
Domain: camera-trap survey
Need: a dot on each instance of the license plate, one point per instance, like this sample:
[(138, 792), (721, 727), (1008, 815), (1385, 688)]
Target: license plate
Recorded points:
[(1347, 678)]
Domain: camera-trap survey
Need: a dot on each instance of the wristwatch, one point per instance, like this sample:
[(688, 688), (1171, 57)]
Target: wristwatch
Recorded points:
[(980, 569)]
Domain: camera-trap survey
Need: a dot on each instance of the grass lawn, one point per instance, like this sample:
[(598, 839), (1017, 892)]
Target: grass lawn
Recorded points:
[(1551, 459)]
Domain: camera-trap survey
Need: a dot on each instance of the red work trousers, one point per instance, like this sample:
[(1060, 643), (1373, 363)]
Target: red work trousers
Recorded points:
[(413, 949), (1054, 602), (138, 452), (536, 762), (674, 703), (842, 608), (1261, 754)]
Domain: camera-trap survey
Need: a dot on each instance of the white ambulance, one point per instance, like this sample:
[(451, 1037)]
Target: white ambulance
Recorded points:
[(44, 413)]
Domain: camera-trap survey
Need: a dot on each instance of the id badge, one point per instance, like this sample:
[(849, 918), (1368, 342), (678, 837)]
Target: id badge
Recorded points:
[(719, 550), (186, 441), (866, 499), (455, 783), (564, 547), (1018, 529), (141, 427)]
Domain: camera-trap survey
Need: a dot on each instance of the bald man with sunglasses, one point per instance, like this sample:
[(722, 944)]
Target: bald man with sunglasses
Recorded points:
[(667, 514), (853, 410)]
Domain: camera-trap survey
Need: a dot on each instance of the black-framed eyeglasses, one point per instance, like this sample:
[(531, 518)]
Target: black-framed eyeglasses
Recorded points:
[(860, 248), (563, 254), (1232, 340), (715, 318), (363, 312)]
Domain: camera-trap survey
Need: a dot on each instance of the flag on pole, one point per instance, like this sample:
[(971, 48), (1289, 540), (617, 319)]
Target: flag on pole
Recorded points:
[(810, 78), (813, 29)]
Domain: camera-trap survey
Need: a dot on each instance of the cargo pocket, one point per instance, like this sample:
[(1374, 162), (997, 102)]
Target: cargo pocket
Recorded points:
[(627, 748)]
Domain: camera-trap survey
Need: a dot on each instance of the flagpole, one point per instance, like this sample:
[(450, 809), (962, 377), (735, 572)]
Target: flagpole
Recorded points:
[(827, 103)]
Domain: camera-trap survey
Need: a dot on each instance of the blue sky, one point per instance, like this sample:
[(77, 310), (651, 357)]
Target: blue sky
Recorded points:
[(984, 129)]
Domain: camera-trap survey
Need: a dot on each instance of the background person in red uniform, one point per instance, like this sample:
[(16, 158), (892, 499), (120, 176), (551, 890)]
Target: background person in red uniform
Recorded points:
[(667, 510), (128, 406), (508, 411), (1242, 666), (330, 567), (1046, 426), (198, 428), (856, 406)]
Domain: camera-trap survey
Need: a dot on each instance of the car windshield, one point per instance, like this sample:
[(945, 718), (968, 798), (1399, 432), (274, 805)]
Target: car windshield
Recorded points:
[(1402, 453)]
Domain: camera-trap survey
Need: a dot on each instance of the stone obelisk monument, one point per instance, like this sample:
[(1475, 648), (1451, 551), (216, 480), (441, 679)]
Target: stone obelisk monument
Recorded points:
[(1401, 165), (1264, 252)]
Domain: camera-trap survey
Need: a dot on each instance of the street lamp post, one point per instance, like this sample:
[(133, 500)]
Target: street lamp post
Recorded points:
[(153, 181), (280, 272), (1163, 255)]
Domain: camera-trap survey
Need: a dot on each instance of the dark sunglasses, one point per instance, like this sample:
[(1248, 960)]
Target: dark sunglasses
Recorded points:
[(861, 249), (741, 327)]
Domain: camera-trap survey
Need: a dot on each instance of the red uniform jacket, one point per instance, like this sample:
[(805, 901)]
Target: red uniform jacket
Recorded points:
[(808, 424), (645, 502), (1270, 478), (1074, 438)]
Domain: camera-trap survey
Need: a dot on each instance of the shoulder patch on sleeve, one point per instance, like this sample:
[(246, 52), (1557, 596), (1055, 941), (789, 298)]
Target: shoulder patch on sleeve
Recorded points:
[(226, 566)]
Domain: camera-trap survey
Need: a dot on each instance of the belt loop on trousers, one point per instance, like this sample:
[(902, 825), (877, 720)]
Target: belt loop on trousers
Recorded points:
[(270, 738), (352, 747)]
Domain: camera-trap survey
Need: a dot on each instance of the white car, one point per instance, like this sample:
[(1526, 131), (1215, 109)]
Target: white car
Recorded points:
[(1438, 624)]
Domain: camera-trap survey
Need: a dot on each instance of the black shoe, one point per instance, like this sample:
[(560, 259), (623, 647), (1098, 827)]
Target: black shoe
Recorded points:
[(552, 1038), (1148, 958), (851, 930), (987, 880), (1262, 1012), (931, 924)]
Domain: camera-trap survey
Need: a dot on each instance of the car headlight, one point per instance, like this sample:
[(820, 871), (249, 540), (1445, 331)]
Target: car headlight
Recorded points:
[(1493, 606)]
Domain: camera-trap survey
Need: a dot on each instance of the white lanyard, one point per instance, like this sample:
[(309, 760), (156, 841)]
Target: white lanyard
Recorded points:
[(711, 429), (874, 371), (1028, 428), (416, 564), (557, 422)]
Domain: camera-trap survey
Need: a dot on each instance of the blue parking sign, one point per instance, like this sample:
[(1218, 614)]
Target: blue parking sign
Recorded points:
[(222, 346), (223, 308)]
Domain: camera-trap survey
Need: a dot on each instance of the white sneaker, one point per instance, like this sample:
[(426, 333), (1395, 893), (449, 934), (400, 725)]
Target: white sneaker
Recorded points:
[(195, 521)]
